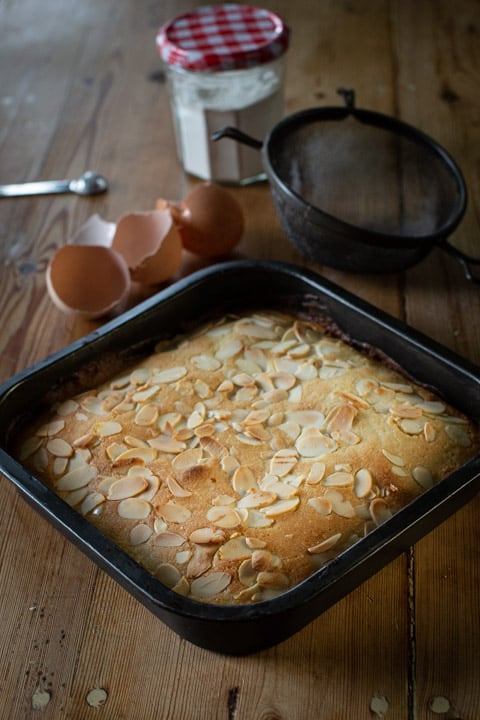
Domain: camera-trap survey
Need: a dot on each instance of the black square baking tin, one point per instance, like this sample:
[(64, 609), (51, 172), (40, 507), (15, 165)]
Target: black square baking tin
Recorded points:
[(231, 287)]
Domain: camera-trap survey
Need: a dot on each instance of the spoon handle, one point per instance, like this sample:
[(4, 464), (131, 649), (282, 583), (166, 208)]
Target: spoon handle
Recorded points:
[(44, 187)]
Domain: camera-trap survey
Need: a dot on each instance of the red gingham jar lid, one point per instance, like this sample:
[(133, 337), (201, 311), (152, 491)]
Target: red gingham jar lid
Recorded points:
[(222, 37)]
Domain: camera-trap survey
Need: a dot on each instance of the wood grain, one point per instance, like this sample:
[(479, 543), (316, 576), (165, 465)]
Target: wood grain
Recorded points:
[(81, 87)]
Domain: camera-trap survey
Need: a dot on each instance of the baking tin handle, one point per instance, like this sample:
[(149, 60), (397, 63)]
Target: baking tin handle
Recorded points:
[(235, 134), (465, 260)]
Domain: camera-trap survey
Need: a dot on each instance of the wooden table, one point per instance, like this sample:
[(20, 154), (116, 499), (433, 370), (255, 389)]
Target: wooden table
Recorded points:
[(82, 87)]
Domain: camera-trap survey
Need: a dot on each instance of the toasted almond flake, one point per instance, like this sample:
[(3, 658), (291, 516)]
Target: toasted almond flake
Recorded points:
[(395, 459), (399, 471), (91, 502), (223, 516), (432, 407), (362, 484), (76, 496), (458, 435), (325, 545), (429, 432), (140, 534), (316, 473), (167, 444), (183, 556), (276, 419), (176, 489), (201, 560), (322, 505), (229, 464), (85, 440), (134, 509), (127, 487), (168, 574), (340, 418), (105, 429), (256, 519), (172, 512), (206, 362), (139, 376), (283, 462), (235, 549), (255, 543), (340, 506), (307, 418), (159, 525), (170, 374), (256, 498), (93, 405), (412, 427), (115, 449), (142, 455), (282, 490), (147, 415), (275, 580), (243, 480), (207, 586), (423, 476), (195, 420), (76, 478), (405, 410), (254, 329), (136, 442), (282, 347), (169, 539), (246, 574), (283, 380), (256, 417), (312, 443), (51, 428), (213, 447), (327, 372), (399, 387), (187, 459), (206, 536), (263, 560), (355, 400), (226, 386), (338, 479), (143, 395), (281, 507), (59, 448), (229, 350), (379, 511)]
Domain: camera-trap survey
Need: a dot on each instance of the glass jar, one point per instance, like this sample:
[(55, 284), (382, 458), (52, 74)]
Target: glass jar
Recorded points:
[(225, 66)]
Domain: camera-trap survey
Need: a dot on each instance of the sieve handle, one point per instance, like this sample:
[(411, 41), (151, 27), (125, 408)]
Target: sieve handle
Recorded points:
[(235, 134), (465, 260)]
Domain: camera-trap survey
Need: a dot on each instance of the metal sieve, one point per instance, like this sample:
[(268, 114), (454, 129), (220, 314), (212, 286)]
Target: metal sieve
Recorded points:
[(361, 191)]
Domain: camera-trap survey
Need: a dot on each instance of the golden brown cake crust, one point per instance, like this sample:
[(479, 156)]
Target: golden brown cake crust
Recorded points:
[(234, 462)]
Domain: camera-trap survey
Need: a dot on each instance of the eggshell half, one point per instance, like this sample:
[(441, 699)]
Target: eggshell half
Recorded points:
[(87, 280), (151, 245), (210, 220), (96, 231)]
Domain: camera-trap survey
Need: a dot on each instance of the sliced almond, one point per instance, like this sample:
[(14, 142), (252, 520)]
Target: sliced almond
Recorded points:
[(140, 534), (325, 545), (281, 507), (322, 505), (312, 443), (127, 487), (363, 483), (134, 509), (207, 586), (169, 539), (173, 512), (59, 448)]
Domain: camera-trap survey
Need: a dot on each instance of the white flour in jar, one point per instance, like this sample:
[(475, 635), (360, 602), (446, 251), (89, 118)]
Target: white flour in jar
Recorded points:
[(251, 101)]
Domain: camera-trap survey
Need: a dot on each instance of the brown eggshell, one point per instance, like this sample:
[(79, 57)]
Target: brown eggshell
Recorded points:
[(87, 280), (151, 245), (210, 220)]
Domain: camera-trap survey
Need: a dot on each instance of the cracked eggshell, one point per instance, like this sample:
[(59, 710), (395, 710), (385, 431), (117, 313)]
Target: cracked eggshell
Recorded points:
[(151, 245), (210, 220), (87, 280)]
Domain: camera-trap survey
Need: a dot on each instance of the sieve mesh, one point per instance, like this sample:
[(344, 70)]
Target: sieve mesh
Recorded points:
[(368, 176)]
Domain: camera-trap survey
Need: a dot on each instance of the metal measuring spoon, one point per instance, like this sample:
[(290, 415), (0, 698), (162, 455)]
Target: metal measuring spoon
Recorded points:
[(90, 183)]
